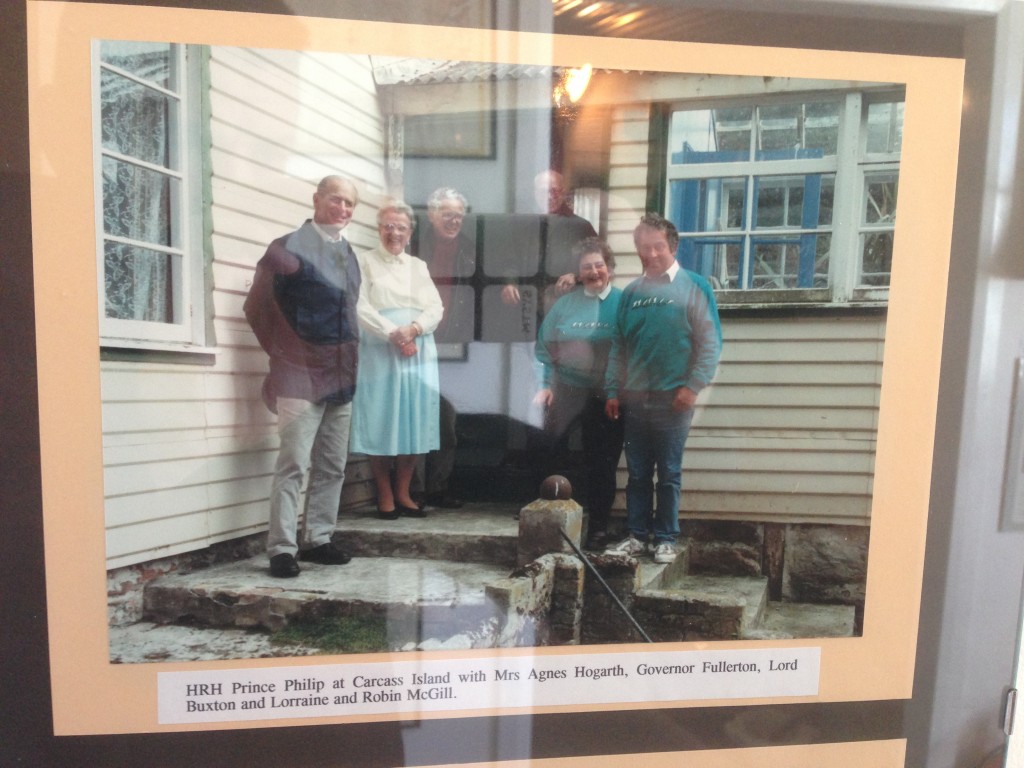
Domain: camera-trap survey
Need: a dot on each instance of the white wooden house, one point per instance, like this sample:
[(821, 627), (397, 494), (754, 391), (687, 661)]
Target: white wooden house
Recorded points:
[(188, 444)]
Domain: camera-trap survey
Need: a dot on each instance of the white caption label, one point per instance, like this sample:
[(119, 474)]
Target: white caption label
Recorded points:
[(486, 683)]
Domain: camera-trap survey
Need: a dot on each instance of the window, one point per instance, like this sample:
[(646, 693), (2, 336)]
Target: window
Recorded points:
[(793, 196), (149, 224)]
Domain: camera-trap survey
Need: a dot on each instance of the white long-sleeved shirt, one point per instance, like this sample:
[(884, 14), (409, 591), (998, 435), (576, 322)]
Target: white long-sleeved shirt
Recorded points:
[(390, 282)]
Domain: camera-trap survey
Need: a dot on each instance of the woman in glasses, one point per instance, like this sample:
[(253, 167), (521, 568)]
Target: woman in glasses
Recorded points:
[(572, 354), (395, 411)]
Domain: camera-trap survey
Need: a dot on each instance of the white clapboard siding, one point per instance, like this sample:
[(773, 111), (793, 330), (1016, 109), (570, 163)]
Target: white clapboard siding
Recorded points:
[(791, 420), (787, 431), (189, 449)]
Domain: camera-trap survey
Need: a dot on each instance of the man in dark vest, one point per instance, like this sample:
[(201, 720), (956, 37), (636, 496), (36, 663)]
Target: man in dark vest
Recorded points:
[(302, 308)]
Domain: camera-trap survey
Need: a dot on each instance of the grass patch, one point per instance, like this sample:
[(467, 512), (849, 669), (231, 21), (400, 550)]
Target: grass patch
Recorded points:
[(353, 634)]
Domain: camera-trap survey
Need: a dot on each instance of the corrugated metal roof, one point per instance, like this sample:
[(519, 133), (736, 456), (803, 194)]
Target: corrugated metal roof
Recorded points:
[(391, 71)]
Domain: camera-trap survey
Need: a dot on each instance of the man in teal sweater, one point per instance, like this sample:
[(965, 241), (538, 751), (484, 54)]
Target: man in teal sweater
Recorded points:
[(666, 351)]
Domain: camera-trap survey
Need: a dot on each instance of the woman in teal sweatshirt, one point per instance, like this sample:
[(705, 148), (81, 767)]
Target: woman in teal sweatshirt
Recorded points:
[(572, 353)]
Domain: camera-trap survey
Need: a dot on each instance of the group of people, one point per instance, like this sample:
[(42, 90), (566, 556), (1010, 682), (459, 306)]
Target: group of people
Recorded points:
[(333, 324), (625, 365)]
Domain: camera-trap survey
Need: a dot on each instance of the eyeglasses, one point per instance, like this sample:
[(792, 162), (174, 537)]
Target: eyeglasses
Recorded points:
[(451, 216), (399, 228)]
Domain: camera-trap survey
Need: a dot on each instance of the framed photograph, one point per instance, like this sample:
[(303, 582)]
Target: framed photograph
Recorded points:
[(468, 135), (174, 145)]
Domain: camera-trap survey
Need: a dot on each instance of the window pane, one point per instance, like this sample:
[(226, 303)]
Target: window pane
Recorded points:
[(153, 62), (880, 205), (826, 199), (775, 264), (710, 136), (727, 259), (135, 119), (792, 131), (799, 261), (708, 205), (720, 261), (139, 283), (733, 128), (780, 201), (778, 127), (822, 254), (729, 262), (821, 127), (794, 202), (137, 203), (885, 127), (876, 258)]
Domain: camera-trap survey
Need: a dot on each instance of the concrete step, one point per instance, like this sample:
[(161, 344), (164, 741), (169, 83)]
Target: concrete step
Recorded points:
[(420, 599), (689, 607), (789, 620), (477, 533), (428, 579)]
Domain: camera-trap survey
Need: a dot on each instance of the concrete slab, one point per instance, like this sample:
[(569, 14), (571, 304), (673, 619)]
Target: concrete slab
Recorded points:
[(145, 642), (421, 598), (789, 620), (482, 533), (479, 518)]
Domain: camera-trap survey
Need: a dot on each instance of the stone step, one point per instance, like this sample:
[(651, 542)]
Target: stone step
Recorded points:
[(481, 533), (437, 582), (420, 599), (783, 621), (687, 607)]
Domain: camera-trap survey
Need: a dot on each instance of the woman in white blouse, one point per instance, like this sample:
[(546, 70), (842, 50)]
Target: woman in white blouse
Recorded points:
[(395, 412)]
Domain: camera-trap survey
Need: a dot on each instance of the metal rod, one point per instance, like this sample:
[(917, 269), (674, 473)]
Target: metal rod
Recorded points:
[(608, 589)]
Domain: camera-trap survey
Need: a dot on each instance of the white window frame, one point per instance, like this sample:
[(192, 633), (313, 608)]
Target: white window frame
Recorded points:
[(851, 165), (188, 276)]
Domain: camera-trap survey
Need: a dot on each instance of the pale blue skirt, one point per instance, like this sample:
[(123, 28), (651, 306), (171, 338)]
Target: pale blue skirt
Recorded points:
[(396, 407)]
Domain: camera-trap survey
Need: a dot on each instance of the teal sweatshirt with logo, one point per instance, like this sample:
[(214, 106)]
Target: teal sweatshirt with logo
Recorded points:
[(669, 336), (575, 339)]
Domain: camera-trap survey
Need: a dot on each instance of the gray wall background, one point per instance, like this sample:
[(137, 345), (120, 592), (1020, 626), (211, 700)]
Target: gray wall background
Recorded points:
[(970, 613)]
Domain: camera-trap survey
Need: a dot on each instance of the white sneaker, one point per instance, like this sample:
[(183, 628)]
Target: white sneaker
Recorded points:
[(665, 552), (630, 545)]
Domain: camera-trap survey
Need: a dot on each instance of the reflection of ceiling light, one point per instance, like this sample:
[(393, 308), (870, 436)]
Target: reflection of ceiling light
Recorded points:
[(576, 82), (625, 19), (603, 14), (569, 89)]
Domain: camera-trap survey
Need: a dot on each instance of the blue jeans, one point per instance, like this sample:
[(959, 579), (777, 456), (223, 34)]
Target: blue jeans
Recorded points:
[(314, 439), (654, 439)]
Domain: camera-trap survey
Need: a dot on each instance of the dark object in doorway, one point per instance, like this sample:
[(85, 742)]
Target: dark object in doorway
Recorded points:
[(495, 458)]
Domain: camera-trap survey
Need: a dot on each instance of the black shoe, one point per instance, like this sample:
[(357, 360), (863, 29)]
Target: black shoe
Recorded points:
[(410, 511), (444, 501), (283, 566), (394, 514), (325, 554)]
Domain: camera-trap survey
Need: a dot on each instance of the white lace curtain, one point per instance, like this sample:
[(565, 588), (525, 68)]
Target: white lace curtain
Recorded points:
[(136, 122)]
